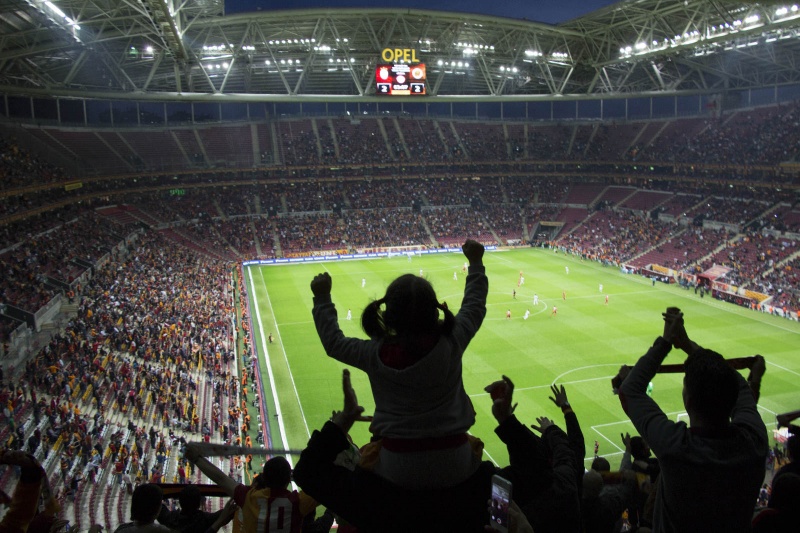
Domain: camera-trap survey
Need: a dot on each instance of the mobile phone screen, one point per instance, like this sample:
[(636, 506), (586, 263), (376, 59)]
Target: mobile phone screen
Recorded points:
[(501, 499)]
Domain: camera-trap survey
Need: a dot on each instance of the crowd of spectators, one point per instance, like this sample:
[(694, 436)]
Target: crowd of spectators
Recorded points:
[(452, 225), (750, 256), (223, 222), (380, 228), (298, 143), (62, 253), (152, 338), (147, 360), (18, 165), (303, 234), (737, 211), (682, 250), (616, 237), (750, 137), (784, 283), (375, 194), (361, 142)]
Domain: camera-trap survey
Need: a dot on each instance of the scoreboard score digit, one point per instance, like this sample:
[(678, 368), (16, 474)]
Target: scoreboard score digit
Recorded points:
[(400, 79)]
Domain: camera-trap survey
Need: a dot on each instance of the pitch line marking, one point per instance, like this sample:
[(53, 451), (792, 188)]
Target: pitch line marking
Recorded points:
[(285, 358), (784, 368), (281, 427)]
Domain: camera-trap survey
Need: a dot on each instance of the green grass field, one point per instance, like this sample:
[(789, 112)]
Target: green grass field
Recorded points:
[(582, 347)]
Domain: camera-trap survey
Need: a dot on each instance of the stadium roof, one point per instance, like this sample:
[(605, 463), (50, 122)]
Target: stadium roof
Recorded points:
[(189, 50)]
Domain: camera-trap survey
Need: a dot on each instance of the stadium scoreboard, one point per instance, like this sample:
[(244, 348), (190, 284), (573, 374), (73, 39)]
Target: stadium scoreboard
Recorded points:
[(400, 73)]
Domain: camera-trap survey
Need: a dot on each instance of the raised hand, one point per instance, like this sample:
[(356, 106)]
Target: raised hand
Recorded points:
[(673, 326), (616, 381), (473, 251), (544, 423), (351, 412), (321, 284), (626, 441), (502, 393), (559, 397)]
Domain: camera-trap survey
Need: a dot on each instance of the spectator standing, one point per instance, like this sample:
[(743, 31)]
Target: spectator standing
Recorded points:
[(189, 519), (372, 503), (711, 472), (267, 500), (413, 360), (145, 507)]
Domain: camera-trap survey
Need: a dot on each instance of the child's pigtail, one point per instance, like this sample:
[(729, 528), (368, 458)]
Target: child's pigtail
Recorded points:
[(372, 320), (449, 321)]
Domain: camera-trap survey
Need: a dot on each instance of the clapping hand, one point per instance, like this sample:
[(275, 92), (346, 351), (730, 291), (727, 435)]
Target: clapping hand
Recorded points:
[(674, 332)]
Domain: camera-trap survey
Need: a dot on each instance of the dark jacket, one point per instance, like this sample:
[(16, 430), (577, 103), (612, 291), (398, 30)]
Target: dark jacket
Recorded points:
[(372, 503)]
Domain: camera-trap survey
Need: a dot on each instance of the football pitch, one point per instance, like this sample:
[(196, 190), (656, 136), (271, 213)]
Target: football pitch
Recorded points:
[(581, 347)]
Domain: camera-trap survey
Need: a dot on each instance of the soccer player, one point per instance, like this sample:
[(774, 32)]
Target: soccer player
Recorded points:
[(464, 268), (514, 293), (349, 315), (271, 338), (601, 287), (522, 280), (606, 299), (455, 276), (649, 390), (555, 311), (508, 314), (535, 299), (527, 314), (363, 282), (420, 272), (567, 269), (596, 448), (564, 295)]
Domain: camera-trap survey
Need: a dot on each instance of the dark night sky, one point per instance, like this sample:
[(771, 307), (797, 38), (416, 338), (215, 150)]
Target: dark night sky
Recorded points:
[(549, 11)]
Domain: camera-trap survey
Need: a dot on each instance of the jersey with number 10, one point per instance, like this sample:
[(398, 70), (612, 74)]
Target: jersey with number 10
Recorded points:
[(271, 510)]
